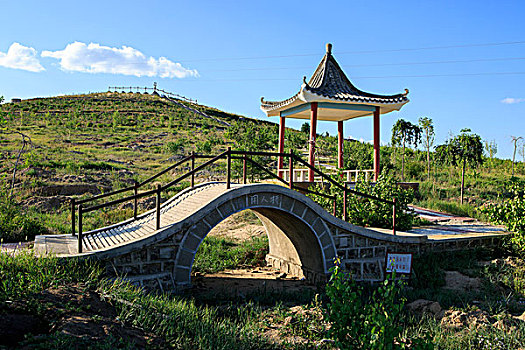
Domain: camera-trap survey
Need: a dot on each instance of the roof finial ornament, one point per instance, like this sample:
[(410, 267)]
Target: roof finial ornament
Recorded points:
[(406, 92), (262, 99), (304, 81), (329, 48)]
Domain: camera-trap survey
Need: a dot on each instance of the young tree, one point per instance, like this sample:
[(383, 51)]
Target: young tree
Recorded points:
[(521, 151), (465, 148), (405, 133), (427, 128), (491, 148), (305, 128), (515, 139)]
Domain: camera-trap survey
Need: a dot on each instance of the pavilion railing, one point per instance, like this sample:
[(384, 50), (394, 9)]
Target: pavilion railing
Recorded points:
[(79, 206), (301, 175)]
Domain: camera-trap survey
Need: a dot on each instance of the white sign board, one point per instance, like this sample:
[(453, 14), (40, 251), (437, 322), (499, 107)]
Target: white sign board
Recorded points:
[(399, 262)]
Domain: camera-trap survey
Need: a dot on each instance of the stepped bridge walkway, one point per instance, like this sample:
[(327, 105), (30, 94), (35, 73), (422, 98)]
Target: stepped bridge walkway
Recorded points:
[(156, 249)]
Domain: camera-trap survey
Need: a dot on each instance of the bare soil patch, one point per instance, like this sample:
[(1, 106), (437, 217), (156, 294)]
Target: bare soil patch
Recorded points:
[(73, 310)]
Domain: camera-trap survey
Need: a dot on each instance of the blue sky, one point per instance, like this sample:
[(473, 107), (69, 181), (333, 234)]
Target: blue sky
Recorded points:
[(228, 54)]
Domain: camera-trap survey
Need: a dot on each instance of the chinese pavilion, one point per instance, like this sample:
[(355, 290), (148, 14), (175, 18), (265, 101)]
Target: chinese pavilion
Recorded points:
[(329, 95)]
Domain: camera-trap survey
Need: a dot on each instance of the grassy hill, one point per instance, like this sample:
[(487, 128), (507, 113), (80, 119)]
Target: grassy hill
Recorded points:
[(83, 144)]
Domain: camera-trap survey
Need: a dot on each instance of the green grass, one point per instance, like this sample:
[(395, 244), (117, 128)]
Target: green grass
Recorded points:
[(454, 208), (24, 274), (217, 254)]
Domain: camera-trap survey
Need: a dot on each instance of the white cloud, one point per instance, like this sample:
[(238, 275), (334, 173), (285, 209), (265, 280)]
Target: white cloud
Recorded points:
[(511, 100), (21, 57), (94, 58)]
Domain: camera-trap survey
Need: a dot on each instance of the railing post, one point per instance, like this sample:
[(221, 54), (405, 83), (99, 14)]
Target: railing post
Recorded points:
[(344, 204), (73, 216), (157, 216), (394, 216), (80, 229), (192, 168), (335, 206), (229, 168), (244, 169), (290, 170), (135, 200)]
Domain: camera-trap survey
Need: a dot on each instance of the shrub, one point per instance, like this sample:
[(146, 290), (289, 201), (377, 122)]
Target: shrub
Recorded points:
[(16, 225), (363, 321), (370, 212), (511, 213)]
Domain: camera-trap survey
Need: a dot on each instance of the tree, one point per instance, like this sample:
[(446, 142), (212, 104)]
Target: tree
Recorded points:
[(2, 99), (465, 148), (521, 151), (405, 133), (427, 128), (491, 148), (515, 139), (305, 128)]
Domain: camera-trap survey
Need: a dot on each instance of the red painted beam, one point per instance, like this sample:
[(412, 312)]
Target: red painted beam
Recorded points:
[(313, 131), (377, 169), (280, 162), (340, 138)]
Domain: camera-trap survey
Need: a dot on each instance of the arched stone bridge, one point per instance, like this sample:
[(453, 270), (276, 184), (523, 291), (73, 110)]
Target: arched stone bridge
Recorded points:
[(304, 239)]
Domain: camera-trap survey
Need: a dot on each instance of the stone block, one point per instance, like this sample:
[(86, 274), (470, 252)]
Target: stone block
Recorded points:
[(213, 218), (192, 241), (310, 216), (319, 227), (298, 208), (226, 209), (352, 253), (286, 203), (154, 253), (166, 253), (366, 253), (151, 268), (182, 276), (185, 258), (325, 240)]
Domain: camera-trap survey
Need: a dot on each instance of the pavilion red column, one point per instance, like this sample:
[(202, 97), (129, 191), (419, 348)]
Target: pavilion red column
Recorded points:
[(280, 149), (340, 138), (377, 169), (313, 130)]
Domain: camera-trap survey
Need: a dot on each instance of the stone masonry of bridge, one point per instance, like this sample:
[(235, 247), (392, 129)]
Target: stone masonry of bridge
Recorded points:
[(304, 239)]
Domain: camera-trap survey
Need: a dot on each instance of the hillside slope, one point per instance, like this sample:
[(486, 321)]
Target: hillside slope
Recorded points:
[(85, 144)]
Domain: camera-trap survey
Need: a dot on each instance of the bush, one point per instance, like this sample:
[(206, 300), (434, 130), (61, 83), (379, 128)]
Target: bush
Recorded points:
[(511, 213), (360, 321), (16, 225), (369, 212)]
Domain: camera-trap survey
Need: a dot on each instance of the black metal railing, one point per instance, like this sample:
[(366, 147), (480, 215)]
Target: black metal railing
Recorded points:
[(229, 155)]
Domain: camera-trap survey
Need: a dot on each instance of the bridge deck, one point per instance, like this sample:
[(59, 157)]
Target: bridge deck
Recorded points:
[(189, 201), (174, 210)]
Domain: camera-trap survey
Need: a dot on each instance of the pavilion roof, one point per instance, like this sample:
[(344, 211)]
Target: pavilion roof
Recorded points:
[(330, 84)]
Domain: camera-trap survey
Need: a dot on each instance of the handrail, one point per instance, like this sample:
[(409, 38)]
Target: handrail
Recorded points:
[(200, 167), (103, 195), (185, 159), (328, 178), (229, 154)]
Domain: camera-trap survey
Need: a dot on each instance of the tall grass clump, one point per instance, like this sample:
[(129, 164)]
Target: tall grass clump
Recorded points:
[(184, 324), (23, 273), (17, 224)]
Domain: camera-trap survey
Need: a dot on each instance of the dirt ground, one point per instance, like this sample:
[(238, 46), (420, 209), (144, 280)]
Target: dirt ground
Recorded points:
[(74, 311)]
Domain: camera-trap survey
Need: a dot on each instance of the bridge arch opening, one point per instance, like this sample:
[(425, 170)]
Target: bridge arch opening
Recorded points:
[(295, 246)]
